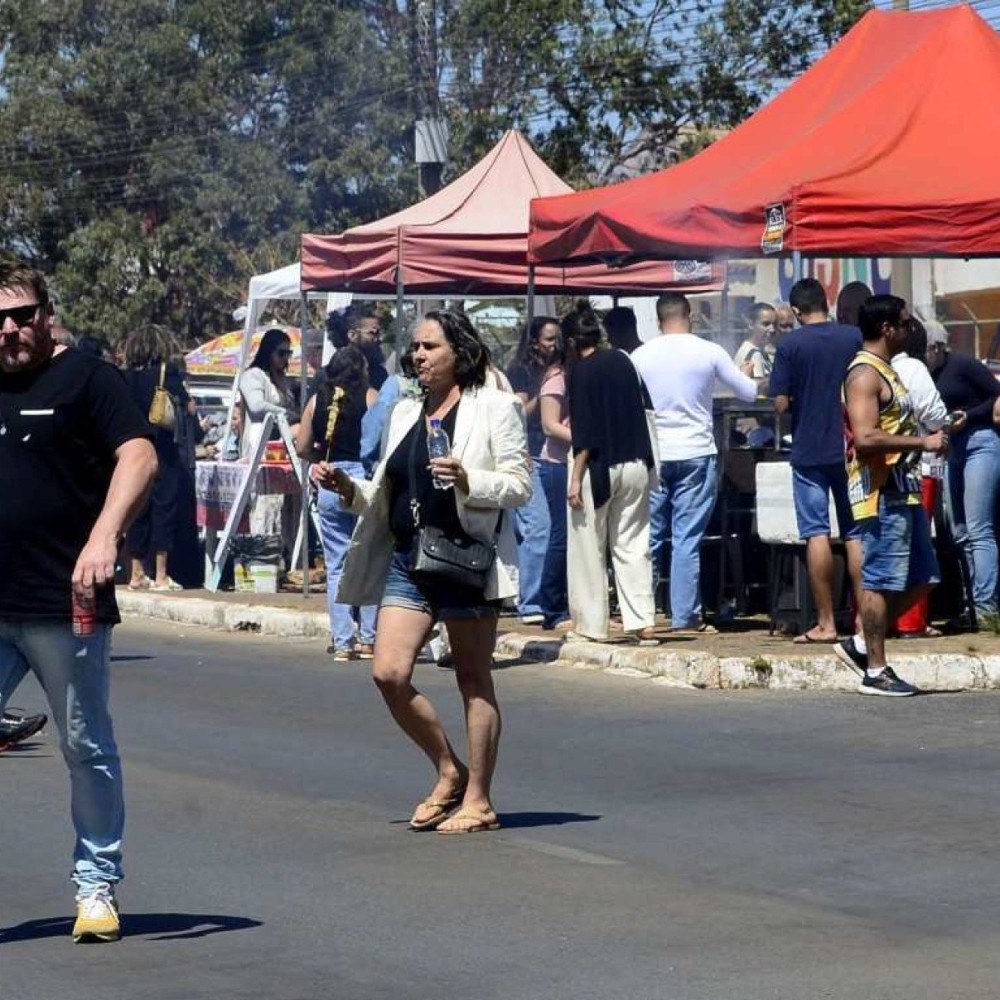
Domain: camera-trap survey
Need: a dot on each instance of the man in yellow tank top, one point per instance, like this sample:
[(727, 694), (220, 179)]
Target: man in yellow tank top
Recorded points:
[(883, 480)]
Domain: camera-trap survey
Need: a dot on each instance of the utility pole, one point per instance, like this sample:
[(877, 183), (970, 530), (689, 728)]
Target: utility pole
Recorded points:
[(430, 136)]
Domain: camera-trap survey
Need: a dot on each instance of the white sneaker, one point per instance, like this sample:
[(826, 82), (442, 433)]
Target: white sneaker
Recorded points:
[(97, 917)]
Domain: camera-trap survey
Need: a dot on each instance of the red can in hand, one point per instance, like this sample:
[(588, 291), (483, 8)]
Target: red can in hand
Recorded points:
[(84, 612)]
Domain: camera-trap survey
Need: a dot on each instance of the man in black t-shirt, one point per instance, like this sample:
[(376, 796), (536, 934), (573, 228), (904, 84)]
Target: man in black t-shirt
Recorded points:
[(76, 464)]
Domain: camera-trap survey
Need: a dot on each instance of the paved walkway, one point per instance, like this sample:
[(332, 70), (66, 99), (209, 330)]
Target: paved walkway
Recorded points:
[(747, 657)]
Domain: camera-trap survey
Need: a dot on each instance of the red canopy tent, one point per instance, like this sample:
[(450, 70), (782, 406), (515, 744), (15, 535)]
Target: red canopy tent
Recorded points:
[(888, 145), (471, 238)]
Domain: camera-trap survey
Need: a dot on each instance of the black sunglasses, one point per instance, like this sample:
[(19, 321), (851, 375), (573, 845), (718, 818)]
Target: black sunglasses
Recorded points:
[(21, 315), (283, 352)]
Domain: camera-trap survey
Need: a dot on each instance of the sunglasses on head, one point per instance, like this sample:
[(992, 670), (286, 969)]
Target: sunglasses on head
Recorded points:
[(21, 315)]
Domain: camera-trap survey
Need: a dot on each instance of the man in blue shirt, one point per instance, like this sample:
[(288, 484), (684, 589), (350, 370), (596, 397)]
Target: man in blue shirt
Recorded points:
[(808, 374)]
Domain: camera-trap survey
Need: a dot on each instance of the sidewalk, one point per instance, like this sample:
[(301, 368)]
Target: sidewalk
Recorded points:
[(746, 658)]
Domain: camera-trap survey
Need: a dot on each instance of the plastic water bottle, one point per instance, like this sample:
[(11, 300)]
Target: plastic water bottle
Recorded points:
[(438, 446)]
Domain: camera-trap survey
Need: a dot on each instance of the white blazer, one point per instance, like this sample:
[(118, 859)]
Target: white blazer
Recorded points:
[(260, 397), (491, 444)]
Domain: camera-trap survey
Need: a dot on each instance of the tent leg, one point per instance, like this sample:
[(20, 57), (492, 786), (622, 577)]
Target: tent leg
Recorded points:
[(304, 514), (400, 330), (797, 274), (529, 305), (724, 311)]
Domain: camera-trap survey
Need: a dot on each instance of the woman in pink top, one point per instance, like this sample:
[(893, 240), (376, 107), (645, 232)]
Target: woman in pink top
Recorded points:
[(552, 466)]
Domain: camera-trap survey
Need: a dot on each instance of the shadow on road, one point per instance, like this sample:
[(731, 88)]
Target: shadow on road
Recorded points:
[(524, 820), (154, 926), (25, 750)]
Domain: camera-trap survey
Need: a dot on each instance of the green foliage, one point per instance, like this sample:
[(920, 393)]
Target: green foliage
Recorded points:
[(159, 152)]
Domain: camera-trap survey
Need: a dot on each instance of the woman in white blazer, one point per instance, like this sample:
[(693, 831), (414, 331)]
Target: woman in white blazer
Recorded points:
[(487, 473)]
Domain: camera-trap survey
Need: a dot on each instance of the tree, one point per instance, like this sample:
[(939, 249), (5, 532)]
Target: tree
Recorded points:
[(609, 88), (159, 152), (156, 151)]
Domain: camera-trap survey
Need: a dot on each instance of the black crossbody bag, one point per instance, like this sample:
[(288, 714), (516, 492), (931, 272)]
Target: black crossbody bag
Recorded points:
[(454, 558)]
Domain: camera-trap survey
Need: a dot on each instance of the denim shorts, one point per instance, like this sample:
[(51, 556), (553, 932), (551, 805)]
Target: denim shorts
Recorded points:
[(442, 601), (898, 552), (811, 489)]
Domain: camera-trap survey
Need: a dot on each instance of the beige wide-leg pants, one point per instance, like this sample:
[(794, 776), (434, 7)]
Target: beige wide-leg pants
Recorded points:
[(622, 523)]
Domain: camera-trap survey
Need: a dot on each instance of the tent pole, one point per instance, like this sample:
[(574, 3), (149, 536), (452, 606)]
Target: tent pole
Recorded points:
[(400, 331), (796, 265), (304, 514), (529, 304), (724, 310)]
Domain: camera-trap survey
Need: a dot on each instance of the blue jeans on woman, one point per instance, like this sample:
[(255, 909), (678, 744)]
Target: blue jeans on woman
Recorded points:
[(336, 524), (74, 674), (687, 493), (973, 473), (531, 524), (553, 596)]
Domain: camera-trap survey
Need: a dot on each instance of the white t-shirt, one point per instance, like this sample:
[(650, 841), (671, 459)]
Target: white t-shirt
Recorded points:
[(680, 371), (928, 407)]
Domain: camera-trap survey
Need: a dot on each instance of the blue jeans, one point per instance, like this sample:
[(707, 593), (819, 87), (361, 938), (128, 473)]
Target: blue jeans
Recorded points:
[(973, 473), (552, 595), (74, 674), (898, 552), (439, 599), (531, 524), (811, 489), (336, 525), (686, 496)]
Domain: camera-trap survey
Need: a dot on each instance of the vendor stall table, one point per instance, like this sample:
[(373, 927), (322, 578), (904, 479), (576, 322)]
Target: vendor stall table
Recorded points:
[(217, 485)]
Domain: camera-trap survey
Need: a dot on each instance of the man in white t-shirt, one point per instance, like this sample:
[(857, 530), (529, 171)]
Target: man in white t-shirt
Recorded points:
[(680, 371)]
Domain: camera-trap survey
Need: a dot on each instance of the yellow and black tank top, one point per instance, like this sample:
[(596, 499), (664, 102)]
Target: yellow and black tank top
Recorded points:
[(896, 476)]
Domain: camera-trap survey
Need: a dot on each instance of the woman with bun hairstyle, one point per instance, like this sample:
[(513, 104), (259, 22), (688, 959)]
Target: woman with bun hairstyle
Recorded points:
[(609, 485)]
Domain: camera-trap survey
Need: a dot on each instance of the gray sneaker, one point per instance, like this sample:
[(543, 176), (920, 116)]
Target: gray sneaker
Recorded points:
[(886, 684), (849, 654)]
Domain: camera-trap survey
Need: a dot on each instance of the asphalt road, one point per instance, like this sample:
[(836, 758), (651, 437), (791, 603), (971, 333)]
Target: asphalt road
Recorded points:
[(658, 843)]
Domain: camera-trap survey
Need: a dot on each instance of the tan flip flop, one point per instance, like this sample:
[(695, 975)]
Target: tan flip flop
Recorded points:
[(443, 808), (470, 820)]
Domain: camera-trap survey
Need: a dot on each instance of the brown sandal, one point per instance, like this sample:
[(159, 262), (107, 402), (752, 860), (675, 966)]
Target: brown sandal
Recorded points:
[(470, 820)]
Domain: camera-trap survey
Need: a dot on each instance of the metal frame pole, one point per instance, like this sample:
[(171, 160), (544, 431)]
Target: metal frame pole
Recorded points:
[(529, 304), (304, 513)]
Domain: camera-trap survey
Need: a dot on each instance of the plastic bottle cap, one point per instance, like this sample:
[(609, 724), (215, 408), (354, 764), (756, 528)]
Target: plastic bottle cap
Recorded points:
[(435, 424)]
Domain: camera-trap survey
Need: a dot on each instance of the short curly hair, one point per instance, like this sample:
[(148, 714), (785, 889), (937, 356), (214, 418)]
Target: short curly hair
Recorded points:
[(472, 356)]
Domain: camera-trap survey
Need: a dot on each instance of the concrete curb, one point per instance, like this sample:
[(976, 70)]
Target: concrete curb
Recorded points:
[(700, 670), (223, 615), (664, 665)]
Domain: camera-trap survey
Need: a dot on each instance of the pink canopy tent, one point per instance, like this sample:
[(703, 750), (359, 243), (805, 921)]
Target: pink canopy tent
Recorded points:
[(471, 238)]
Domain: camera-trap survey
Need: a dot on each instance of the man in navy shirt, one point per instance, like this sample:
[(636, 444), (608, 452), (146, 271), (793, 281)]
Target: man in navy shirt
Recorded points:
[(809, 369)]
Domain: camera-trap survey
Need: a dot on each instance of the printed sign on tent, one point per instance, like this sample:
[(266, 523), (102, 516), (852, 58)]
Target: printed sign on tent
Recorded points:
[(773, 240), (695, 272)]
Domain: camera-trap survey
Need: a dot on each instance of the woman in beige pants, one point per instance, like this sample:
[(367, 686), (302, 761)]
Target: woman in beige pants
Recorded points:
[(609, 486)]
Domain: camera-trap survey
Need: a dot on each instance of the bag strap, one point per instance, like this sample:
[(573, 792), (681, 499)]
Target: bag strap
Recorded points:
[(412, 472)]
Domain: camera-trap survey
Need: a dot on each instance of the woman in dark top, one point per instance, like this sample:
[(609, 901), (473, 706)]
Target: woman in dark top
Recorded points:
[(154, 531), (973, 469), (485, 474), (539, 344), (345, 388), (608, 485)]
